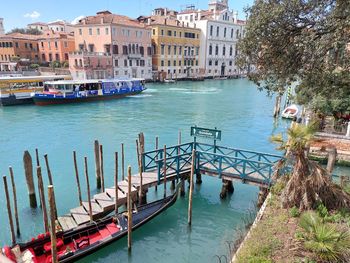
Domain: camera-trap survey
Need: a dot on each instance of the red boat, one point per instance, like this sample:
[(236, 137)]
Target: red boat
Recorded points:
[(84, 240)]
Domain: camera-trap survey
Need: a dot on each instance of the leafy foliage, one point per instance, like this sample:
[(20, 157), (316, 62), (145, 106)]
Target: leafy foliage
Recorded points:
[(29, 31), (304, 42), (294, 212)]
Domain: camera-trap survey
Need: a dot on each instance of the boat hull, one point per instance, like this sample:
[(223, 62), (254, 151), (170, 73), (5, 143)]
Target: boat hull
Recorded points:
[(45, 101), (13, 101)]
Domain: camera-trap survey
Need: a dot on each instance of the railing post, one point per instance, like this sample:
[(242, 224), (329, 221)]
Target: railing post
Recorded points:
[(220, 166)]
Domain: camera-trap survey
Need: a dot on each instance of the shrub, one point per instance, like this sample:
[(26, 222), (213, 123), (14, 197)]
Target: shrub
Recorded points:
[(277, 188), (294, 212), (324, 239)]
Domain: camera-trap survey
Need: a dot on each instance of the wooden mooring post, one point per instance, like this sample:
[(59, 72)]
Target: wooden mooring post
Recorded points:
[(102, 169), (164, 170), (332, 158), (9, 212), (116, 184), (28, 170), (227, 187), (51, 196), (182, 189), (157, 145), (129, 204), (42, 198), (15, 201), (88, 187), (37, 157), (50, 178), (191, 188), (77, 176), (142, 192), (123, 163), (97, 164)]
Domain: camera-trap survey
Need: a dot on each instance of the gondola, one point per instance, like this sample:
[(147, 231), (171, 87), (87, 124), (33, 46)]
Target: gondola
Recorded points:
[(84, 240)]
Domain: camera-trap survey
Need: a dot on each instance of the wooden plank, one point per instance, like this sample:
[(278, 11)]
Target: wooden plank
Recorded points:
[(111, 193), (67, 222), (123, 185), (96, 208), (80, 215)]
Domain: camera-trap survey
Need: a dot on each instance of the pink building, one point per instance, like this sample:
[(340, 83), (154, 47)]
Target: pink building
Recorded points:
[(112, 46)]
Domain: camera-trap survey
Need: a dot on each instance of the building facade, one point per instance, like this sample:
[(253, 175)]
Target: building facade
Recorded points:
[(61, 26), (40, 26), (221, 31), (55, 46), (175, 46), (106, 38), (2, 29)]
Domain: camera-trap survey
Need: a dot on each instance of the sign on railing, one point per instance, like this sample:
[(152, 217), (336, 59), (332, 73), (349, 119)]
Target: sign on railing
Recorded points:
[(214, 134)]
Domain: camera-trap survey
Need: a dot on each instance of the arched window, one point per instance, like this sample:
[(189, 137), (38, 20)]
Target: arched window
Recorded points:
[(224, 51), (217, 50), (210, 50)]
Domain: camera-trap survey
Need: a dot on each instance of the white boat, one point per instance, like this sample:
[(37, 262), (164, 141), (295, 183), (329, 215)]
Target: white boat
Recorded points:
[(169, 81), (290, 112)]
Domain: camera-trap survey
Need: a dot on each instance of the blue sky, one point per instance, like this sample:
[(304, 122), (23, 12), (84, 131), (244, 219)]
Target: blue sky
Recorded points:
[(22, 12)]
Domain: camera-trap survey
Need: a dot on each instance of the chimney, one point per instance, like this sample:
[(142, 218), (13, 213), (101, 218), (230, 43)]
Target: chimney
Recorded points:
[(102, 20), (235, 17)]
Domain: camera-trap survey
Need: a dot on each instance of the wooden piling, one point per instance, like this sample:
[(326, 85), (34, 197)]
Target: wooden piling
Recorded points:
[(9, 212), (37, 157), (138, 153), (224, 189), (116, 184), (123, 163), (51, 196), (42, 198), (332, 158), (88, 187), (77, 176), (50, 179), (15, 200), (97, 164), (157, 144), (129, 202), (164, 170), (102, 169), (191, 188), (28, 170)]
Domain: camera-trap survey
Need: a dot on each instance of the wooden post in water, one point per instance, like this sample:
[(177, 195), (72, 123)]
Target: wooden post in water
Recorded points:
[(101, 169), (332, 158), (15, 200), (97, 164), (88, 187), (164, 170), (142, 195), (51, 196), (123, 163), (116, 184), (37, 157), (42, 198), (191, 188), (28, 170), (129, 202), (9, 212), (157, 144), (77, 176), (50, 179)]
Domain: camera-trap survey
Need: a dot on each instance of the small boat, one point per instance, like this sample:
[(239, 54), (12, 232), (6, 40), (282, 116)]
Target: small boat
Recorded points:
[(169, 81), (84, 240), (221, 78), (73, 91), (290, 112)]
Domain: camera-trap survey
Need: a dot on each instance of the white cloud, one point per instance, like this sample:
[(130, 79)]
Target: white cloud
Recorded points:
[(76, 20), (33, 15)]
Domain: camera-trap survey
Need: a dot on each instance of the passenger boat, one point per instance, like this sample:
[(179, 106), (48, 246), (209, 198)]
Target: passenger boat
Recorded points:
[(84, 240), (61, 92), (290, 112), (18, 90)]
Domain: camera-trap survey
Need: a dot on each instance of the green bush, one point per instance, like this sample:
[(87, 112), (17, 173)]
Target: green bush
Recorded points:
[(324, 239), (277, 188), (294, 212)]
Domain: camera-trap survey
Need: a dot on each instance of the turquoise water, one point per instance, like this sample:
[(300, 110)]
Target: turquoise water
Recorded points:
[(235, 106)]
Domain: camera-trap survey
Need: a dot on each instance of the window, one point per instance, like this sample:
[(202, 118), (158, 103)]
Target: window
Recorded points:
[(56, 44), (232, 33), (57, 56), (216, 63), (210, 50), (66, 56), (196, 62), (142, 50), (174, 33), (16, 44), (26, 45), (50, 57), (81, 47), (174, 63), (162, 32), (211, 31), (169, 50), (90, 31), (80, 31), (98, 31), (153, 32), (130, 62), (43, 58), (65, 44), (191, 18), (197, 51), (224, 51), (225, 29), (149, 51), (230, 63), (180, 50), (115, 49), (107, 30), (217, 50), (162, 63), (180, 34), (175, 49), (179, 63), (125, 63), (231, 50), (237, 33), (169, 63), (217, 31), (169, 33), (91, 47), (190, 35), (210, 63), (125, 50), (162, 49)]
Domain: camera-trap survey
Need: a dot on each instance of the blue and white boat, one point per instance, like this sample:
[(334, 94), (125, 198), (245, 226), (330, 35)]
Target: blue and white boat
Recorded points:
[(73, 91)]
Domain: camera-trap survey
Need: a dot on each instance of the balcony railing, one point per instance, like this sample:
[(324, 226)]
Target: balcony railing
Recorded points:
[(90, 54)]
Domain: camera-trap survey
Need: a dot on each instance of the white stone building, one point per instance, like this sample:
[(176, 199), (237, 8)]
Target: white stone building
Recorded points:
[(220, 32)]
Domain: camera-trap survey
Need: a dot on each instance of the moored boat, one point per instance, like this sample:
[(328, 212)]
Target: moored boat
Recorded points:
[(73, 91), (290, 112), (84, 240)]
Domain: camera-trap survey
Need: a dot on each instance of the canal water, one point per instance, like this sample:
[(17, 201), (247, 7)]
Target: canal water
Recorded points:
[(235, 106)]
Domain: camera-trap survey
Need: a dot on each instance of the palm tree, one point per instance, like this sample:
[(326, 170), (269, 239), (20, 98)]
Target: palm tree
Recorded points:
[(309, 183)]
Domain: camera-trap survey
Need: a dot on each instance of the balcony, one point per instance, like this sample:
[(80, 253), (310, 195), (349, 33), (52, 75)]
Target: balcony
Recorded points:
[(135, 56), (90, 54)]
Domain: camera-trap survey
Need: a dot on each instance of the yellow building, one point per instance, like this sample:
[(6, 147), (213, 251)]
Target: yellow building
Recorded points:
[(175, 46)]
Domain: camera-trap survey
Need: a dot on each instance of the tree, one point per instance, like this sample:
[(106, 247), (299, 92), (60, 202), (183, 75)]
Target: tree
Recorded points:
[(29, 31), (309, 183), (306, 42)]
